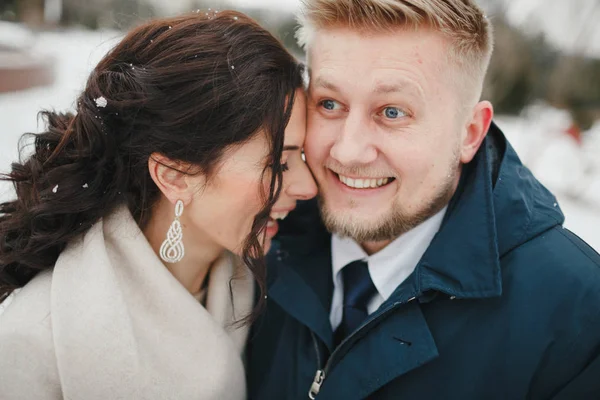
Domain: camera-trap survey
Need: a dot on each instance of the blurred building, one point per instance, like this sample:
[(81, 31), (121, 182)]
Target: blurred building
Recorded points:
[(19, 67)]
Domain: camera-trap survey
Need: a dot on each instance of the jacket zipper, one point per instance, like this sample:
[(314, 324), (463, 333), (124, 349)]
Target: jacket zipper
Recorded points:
[(321, 374), (315, 388)]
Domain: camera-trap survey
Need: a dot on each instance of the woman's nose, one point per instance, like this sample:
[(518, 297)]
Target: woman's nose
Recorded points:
[(302, 186)]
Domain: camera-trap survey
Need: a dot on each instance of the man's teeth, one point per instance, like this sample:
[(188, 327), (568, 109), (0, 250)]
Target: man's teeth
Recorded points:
[(279, 215), (364, 183)]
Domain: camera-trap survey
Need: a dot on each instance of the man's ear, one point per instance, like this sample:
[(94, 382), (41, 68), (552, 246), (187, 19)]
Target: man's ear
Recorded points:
[(171, 178), (476, 130)]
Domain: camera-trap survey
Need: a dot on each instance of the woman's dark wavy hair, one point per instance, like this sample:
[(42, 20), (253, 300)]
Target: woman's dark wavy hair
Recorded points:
[(188, 88)]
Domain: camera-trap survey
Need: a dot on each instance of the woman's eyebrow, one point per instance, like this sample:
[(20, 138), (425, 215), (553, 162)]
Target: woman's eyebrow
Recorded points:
[(291, 148)]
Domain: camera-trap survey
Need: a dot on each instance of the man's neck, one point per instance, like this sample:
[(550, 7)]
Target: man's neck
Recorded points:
[(374, 247)]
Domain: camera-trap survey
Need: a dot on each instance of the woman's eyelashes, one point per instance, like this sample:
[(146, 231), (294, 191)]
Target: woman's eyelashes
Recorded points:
[(285, 167)]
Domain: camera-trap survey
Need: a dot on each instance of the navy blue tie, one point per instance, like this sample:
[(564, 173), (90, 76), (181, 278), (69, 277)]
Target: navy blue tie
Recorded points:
[(358, 290)]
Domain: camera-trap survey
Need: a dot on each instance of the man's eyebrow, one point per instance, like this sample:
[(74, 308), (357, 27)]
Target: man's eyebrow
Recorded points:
[(398, 88), (325, 84), (384, 88)]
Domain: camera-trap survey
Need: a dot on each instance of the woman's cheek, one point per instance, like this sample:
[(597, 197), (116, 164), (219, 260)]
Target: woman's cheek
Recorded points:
[(249, 204)]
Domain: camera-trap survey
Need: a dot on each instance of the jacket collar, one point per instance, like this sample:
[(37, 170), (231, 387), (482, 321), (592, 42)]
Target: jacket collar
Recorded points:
[(300, 278), (499, 206), (463, 259)]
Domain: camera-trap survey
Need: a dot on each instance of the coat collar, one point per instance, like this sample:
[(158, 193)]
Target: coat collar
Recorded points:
[(499, 206), (463, 259), (300, 280), (124, 327)]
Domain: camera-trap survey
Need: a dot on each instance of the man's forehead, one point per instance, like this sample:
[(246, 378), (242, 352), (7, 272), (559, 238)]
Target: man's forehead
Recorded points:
[(339, 47), (382, 64)]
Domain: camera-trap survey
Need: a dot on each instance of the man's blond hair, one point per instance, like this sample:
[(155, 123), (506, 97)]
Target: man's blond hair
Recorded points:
[(462, 22)]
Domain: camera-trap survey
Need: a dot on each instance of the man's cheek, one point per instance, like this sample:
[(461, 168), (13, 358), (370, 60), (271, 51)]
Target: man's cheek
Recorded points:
[(311, 145)]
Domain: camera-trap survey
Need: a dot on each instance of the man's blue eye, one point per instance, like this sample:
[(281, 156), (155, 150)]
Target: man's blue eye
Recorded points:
[(393, 112), (329, 105)]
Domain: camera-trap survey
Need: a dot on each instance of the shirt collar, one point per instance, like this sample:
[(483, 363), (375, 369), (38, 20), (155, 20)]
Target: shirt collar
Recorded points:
[(393, 264)]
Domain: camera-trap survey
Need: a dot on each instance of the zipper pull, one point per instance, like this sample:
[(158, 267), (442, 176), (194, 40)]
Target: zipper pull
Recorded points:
[(316, 386)]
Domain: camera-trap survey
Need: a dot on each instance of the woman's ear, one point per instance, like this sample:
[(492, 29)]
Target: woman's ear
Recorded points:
[(171, 178)]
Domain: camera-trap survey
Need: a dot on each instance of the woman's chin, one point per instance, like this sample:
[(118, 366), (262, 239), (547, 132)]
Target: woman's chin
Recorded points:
[(265, 238)]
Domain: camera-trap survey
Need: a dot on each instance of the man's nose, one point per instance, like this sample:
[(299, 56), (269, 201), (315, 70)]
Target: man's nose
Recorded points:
[(354, 143)]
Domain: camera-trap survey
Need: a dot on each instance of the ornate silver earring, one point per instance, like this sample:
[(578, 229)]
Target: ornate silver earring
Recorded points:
[(172, 249)]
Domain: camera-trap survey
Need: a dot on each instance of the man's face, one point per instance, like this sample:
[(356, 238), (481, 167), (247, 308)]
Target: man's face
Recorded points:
[(385, 130)]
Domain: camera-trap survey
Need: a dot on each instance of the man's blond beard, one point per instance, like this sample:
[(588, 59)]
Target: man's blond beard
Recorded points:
[(391, 225)]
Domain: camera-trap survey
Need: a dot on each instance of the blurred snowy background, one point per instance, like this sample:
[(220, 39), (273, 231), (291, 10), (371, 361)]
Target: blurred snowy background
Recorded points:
[(544, 79)]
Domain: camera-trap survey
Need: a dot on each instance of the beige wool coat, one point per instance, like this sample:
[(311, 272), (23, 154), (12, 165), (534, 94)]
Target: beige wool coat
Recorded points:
[(111, 322)]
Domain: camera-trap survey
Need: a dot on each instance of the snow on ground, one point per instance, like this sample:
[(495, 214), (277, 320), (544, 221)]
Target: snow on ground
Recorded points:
[(15, 36), (572, 172)]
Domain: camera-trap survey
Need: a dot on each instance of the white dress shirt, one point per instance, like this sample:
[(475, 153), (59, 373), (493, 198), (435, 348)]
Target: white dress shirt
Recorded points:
[(388, 268)]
